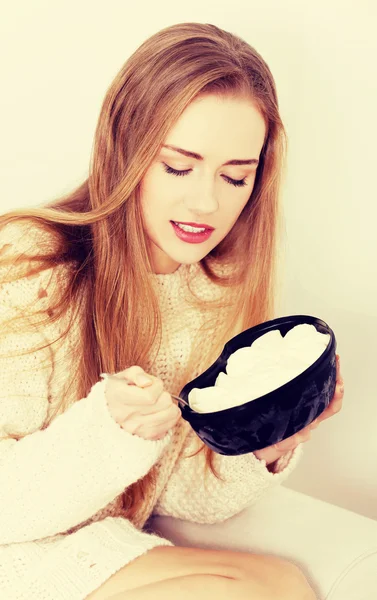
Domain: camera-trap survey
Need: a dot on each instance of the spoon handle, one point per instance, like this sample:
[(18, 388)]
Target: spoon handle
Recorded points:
[(180, 399), (131, 383)]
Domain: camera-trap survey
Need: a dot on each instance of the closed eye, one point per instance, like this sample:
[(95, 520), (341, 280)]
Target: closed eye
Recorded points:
[(235, 182)]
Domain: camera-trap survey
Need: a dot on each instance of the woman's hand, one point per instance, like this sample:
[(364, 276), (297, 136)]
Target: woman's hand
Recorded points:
[(138, 402), (272, 453)]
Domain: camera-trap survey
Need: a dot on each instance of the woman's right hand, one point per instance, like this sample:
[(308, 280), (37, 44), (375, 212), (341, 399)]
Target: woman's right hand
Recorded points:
[(138, 403)]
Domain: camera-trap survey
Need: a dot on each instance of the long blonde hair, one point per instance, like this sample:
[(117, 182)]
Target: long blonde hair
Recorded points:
[(152, 89)]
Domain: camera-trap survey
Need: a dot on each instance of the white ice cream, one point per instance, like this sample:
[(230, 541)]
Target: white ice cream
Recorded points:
[(253, 371)]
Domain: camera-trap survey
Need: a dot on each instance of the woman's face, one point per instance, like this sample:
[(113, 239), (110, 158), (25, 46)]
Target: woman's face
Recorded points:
[(212, 132)]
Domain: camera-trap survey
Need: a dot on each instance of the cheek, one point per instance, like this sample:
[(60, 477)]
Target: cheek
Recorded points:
[(155, 192), (149, 198), (232, 209)]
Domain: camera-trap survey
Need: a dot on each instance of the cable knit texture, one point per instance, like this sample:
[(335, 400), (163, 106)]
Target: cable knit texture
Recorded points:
[(62, 527)]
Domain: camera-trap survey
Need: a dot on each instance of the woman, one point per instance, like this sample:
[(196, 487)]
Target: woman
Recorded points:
[(144, 272)]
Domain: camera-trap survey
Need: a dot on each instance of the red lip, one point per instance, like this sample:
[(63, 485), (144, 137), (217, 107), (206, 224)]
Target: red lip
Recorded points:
[(195, 224)]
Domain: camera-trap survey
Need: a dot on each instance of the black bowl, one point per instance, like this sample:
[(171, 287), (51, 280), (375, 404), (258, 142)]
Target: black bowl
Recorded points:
[(275, 416)]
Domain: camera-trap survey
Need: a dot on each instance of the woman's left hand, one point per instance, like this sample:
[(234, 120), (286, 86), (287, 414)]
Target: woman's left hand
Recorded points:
[(273, 453)]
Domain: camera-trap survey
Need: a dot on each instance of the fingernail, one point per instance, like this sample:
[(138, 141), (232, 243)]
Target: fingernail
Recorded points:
[(143, 379)]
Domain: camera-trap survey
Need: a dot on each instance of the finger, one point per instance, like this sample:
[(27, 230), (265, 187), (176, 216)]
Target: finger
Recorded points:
[(288, 444), (156, 433), (154, 420), (335, 404), (137, 376), (333, 408), (277, 450), (339, 391), (304, 435), (160, 433), (303, 431), (137, 396), (153, 428), (133, 373), (164, 402), (339, 377)]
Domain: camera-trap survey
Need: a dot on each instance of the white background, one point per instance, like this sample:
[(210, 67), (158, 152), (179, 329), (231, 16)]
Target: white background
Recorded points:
[(58, 60)]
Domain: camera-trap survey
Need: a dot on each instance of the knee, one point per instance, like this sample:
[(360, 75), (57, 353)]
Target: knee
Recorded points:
[(290, 583), (279, 578)]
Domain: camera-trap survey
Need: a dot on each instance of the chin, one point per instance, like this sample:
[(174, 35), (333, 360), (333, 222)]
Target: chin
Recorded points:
[(189, 257)]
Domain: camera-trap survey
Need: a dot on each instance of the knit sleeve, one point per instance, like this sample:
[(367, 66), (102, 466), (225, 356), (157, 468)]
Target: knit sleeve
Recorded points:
[(55, 478), (195, 495)]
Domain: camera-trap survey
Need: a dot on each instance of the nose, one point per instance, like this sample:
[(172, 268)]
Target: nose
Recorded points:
[(202, 200)]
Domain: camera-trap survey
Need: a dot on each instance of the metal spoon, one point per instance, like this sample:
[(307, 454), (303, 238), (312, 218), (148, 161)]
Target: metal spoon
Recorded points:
[(180, 399), (132, 383)]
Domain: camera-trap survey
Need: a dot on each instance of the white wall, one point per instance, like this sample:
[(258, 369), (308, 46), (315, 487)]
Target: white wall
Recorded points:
[(331, 214), (60, 60)]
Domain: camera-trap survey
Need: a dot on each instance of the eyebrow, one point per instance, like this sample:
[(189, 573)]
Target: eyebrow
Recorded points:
[(234, 161)]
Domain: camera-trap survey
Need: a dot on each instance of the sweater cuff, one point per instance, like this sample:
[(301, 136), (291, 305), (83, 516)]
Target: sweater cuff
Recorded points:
[(284, 465)]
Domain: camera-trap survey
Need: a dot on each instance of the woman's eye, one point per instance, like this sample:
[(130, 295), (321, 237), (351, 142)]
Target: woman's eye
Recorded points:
[(235, 182), (174, 171)]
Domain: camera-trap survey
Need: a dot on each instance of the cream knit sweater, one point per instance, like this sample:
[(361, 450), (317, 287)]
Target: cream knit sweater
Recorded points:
[(62, 530)]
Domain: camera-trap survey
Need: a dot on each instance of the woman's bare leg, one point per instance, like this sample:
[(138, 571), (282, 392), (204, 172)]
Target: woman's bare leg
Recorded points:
[(194, 572), (199, 587)]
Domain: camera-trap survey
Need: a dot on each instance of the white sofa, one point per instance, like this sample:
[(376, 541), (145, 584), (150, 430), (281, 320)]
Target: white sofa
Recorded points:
[(336, 548)]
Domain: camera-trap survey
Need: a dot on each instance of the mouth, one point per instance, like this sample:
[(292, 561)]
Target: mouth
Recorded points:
[(192, 233), (196, 227)]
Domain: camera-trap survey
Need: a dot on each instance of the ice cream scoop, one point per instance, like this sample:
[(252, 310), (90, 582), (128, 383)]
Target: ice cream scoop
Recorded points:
[(268, 363)]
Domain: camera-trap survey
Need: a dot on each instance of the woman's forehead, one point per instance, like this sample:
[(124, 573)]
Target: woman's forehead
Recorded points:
[(229, 128)]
